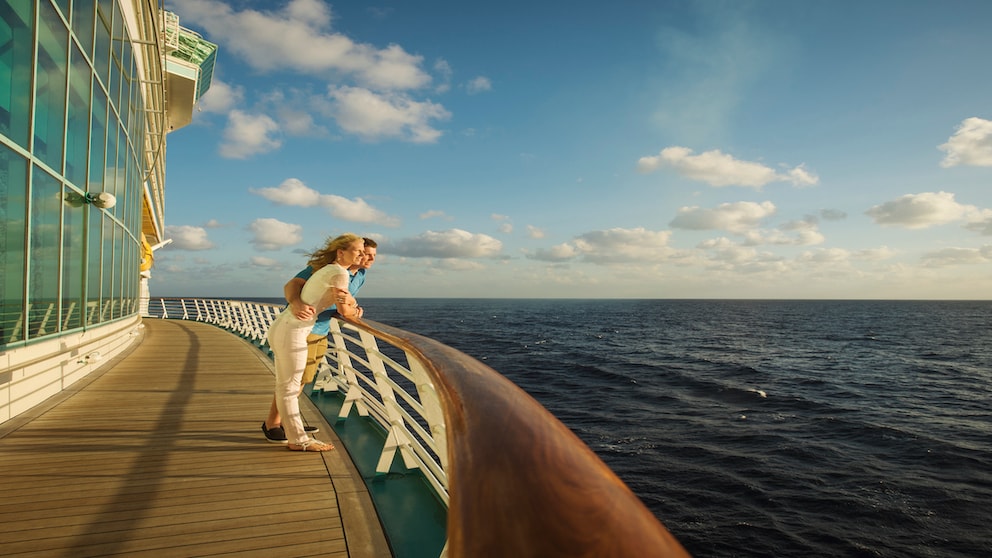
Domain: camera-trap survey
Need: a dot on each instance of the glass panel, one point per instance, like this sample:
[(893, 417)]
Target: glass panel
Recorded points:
[(121, 187), (43, 257), (94, 265), (63, 7), (130, 276), (77, 131), (13, 192), (49, 117), (106, 6), (16, 47), (111, 269), (118, 268), (117, 40), (98, 139), (83, 18), (101, 54), (73, 241), (110, 164), (127, 65)]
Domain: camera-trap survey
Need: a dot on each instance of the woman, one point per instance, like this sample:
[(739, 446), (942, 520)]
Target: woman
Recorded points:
[(288, 335)]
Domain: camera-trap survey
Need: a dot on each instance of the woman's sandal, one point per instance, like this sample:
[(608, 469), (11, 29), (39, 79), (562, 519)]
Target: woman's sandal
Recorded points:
[(310, 445)]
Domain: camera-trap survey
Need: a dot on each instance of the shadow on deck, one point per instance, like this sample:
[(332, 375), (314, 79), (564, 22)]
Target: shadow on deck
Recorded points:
[(160, 453)]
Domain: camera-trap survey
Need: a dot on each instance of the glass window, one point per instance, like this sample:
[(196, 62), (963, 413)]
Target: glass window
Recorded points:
[(16, 47), (111, 268), (49, 116), (43, 255), (117, 41), (77, 131), (106, 6), (121, 186), (98, 139), (83, 18), (130, 276), (110, 171), (63, 7), (127, 65), (94, 264), (101, 54), (13, 192), (73, 236)]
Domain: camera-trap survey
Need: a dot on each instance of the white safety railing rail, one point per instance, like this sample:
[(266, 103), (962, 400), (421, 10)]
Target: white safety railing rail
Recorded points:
[(399, 396)]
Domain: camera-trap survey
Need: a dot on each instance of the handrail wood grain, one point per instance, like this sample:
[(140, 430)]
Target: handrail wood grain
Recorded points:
[(521, 483)]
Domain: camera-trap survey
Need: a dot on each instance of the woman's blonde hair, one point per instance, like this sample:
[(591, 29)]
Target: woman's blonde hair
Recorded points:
[(326, 255)]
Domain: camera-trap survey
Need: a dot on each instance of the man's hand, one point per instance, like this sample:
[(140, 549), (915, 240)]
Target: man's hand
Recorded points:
[(302, 311)]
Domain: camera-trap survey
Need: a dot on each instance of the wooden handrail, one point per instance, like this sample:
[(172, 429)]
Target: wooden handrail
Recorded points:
[(521, 483)]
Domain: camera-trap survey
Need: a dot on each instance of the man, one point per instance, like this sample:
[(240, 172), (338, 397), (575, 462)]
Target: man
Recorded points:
[(317, 339)]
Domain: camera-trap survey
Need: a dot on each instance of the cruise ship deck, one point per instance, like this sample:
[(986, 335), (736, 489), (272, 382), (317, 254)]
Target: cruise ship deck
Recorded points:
[(160, 453)]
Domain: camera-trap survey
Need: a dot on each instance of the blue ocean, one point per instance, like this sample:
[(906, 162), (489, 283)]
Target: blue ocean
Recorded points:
[(761, 428)]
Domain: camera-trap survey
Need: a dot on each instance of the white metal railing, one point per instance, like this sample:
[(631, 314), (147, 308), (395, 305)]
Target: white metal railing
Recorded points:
[(399, 396)]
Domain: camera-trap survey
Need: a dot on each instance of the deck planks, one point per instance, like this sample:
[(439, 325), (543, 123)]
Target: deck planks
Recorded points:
[(160, 454)]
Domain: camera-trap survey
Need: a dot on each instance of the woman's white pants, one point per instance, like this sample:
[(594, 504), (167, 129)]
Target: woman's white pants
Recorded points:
[(288, 340)]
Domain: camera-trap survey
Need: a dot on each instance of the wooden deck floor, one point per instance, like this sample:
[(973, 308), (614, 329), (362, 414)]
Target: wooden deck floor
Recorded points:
[(161, 454)]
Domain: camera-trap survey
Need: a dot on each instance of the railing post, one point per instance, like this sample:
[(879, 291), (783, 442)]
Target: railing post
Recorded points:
[(354, 394), (432, 409), (397, 437)]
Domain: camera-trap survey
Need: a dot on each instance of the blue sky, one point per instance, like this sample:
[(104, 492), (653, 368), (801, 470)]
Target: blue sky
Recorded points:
[(645, 149)]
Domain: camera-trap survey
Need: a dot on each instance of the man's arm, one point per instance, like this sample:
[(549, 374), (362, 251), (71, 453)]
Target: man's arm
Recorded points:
[(291, 290)]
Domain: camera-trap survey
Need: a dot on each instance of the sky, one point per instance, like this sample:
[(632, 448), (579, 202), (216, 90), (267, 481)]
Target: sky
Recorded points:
[(774, 149)]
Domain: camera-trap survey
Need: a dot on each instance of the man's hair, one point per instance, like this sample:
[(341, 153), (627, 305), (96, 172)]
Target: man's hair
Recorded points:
[(369, 243)]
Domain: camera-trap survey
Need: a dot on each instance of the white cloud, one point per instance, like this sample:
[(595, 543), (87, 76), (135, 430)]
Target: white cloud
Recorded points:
[(630, 246), (833, 214), (220, 98), (435, 213), (534, 232), (262, 261), (826, 255), (375, 116), (874, 254), (187, 237), (453, 243), (272, 234), (443, 69), (248, 135), (735, 217), (919, 211), (294, 192), (478, 85), (357, 210), (958, 256), (784, 237), (505, 228), (982, 226), (718, 169), (971, 144), (298, 37)]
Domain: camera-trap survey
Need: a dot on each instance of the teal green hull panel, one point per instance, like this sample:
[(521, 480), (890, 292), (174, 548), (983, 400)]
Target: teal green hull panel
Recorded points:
[(412, 516)]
